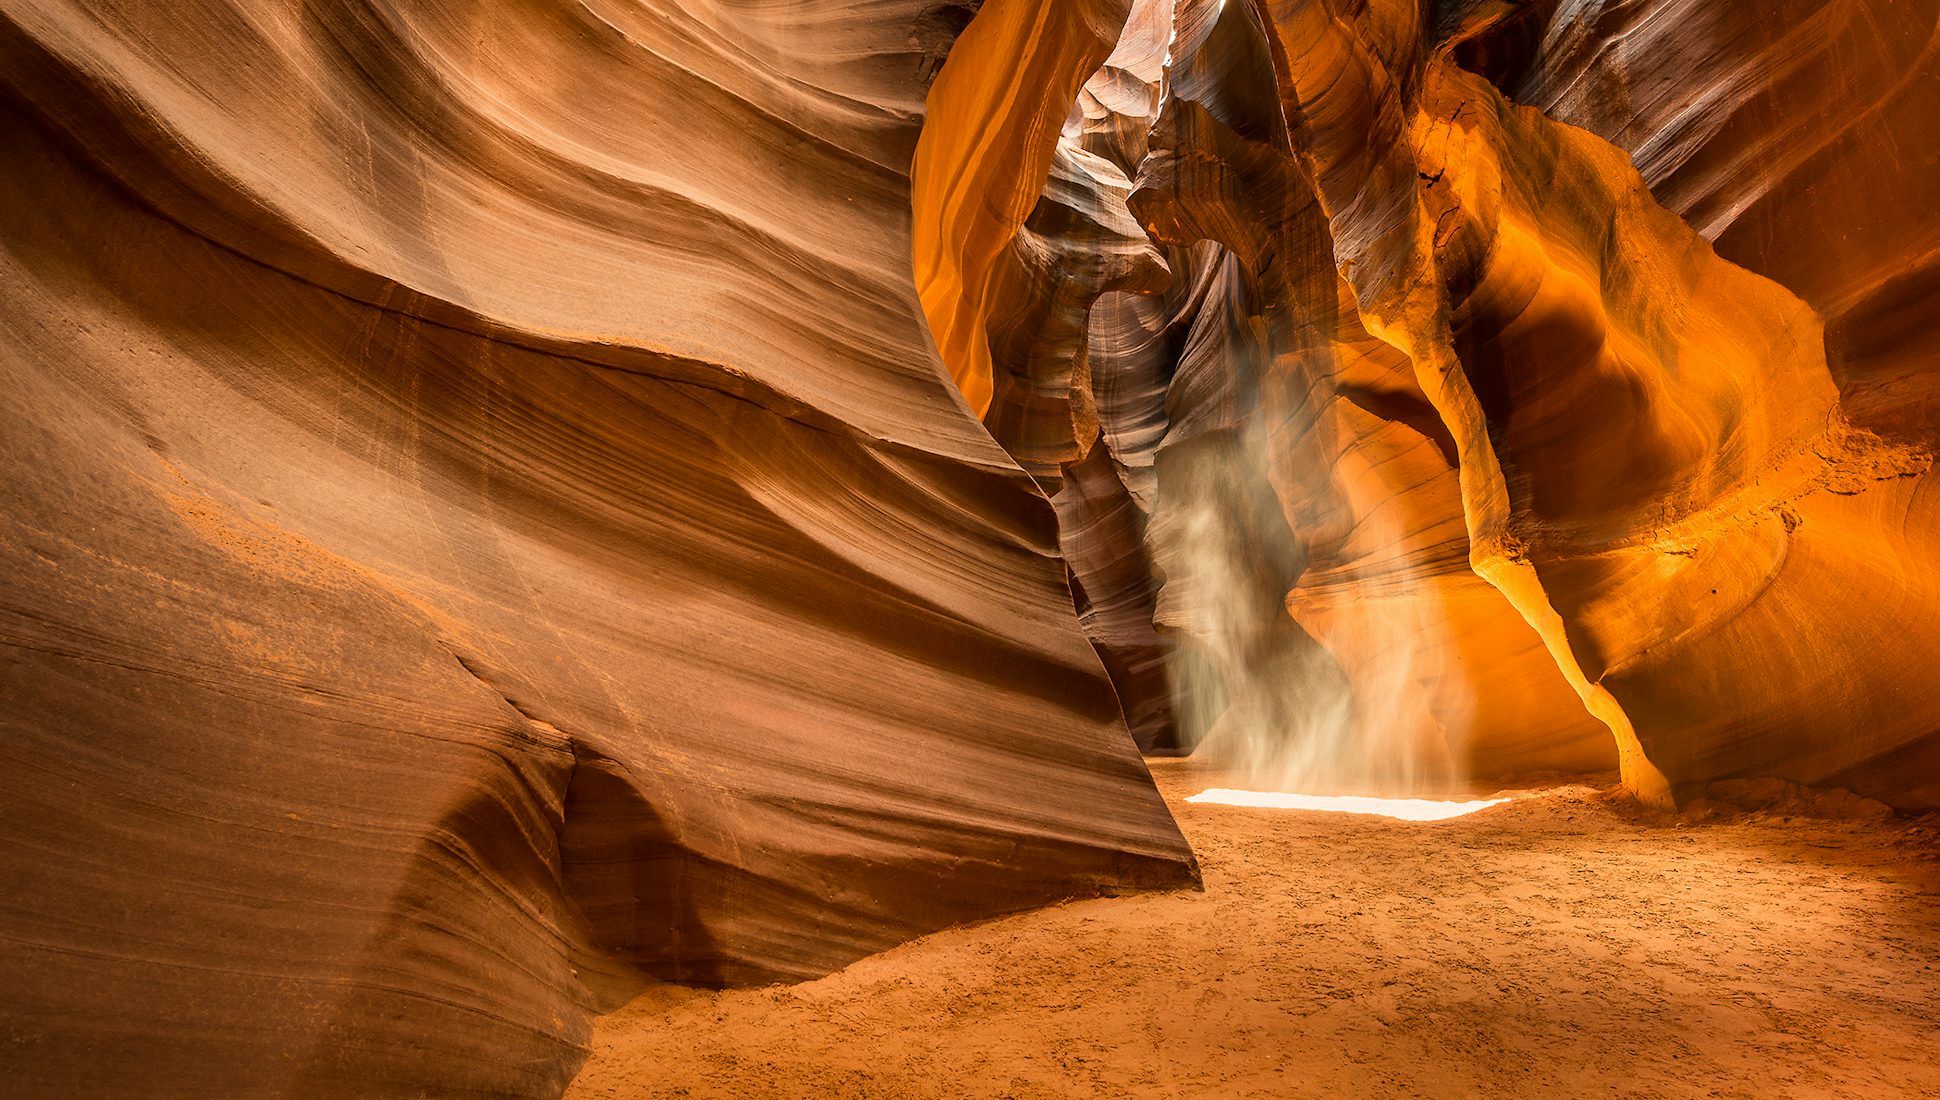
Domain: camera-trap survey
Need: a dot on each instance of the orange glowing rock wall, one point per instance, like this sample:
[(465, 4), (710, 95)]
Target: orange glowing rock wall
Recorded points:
[(1558, 377), (485, 527)]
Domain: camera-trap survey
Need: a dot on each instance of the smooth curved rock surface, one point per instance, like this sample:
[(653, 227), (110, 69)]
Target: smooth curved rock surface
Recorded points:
[(486, 527), (1597, 407), (1657, 469), (1298, 513), (1758, 124), (497, 511), (1679, 557)]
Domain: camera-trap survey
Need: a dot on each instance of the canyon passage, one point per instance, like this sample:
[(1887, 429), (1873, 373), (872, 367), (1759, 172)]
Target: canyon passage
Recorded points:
[(937, 548)]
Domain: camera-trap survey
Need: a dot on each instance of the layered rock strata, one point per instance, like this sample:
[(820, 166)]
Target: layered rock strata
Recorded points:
[(1593, 416), (486, 527)]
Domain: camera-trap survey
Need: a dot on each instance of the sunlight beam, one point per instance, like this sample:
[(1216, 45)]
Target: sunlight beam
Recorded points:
[(1401, 809)]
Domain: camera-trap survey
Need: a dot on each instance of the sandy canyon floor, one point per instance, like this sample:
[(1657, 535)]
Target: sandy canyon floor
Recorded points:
[(1565, 944)]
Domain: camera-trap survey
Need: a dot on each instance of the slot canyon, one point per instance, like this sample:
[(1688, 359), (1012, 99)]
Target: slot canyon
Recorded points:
[(970, 548)]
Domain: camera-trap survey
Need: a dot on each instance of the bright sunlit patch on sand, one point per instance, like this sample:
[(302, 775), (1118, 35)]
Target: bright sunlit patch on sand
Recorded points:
[(1403, 809)]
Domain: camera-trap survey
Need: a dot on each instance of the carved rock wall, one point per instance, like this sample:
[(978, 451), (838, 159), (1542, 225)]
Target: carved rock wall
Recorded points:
[(486, 526), (1597, 412)]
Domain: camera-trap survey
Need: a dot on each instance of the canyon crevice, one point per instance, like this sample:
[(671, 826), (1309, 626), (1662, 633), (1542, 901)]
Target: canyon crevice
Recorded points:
[(512, 503), (1552, 459)]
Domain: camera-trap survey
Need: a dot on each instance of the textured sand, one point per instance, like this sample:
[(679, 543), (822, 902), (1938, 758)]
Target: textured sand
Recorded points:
[(1562, 945)]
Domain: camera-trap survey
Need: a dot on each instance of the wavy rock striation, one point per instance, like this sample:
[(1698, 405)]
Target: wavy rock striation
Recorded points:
[(1528, 392), (486, 526), (496, 512)]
